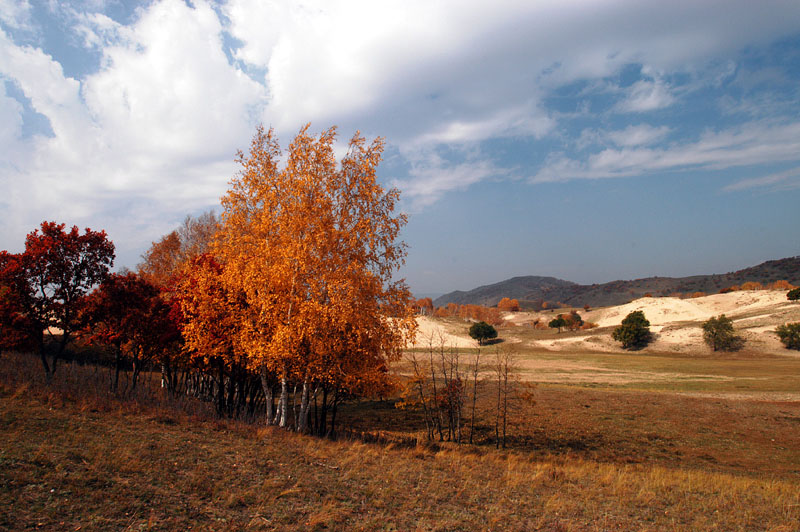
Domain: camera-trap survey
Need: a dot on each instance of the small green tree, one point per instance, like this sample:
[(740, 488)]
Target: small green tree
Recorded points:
[(719, 335), (573, 320), (482, 331), (789, 335), (557, 323), (794, 294), (634, 332)]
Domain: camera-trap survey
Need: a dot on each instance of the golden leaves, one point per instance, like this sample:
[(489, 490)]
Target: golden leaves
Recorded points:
[(310, 249)]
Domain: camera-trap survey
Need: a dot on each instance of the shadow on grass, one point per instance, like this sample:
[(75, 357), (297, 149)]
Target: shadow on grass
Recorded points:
[(493, 341)]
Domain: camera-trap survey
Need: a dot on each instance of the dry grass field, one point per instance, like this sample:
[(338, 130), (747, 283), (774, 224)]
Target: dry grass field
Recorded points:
[(653, 440), (581, 459)]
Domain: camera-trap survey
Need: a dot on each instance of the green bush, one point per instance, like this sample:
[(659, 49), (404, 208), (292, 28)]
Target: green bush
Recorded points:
[(482, 331), (634, 332), (789, 335), (794, 294), (719, 335), (557, 323)]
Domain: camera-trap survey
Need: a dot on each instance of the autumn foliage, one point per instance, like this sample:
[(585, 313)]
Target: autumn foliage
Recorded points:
[(292, 290), (163, 263), (44, 287), (306, 254), (781, 284), (508, 305), (490, 315), (128, 314), (424, 306)]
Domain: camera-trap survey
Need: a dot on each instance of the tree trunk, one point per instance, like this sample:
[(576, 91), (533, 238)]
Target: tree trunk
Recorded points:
[(474, 393), (332, 432), (323, 419), (221, 390), (267, 387), (283, 404), (166, 377), (62, 347), (436, 399), (48, 374), (117, 366), (302, 421)]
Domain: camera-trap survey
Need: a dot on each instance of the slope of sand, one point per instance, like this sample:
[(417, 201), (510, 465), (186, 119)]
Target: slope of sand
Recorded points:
[(666, 310), (435, 333), (658, 310), (675, 323)]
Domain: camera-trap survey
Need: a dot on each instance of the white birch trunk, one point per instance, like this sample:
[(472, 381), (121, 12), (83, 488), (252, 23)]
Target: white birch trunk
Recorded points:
[(283, 404), (305, 405)]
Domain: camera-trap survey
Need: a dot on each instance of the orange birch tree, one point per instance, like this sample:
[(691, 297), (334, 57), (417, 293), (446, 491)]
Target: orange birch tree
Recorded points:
[(313, 248)]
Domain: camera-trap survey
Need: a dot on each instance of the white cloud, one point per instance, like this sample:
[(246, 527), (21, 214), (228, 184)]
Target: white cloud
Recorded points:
[(778, 181), (420, 72), (157, 124), (638, 135), (432, 177), (16, 13), (175, 96), (751, 144), (646, 95), (642, 134), (10, 118)]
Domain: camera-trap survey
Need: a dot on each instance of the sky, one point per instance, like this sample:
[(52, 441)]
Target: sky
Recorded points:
[(586, 140)]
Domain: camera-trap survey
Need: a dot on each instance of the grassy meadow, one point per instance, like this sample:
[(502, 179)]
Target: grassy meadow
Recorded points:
[(705, 443)]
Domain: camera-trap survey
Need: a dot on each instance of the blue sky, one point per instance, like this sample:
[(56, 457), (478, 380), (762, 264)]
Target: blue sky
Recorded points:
[(588, 140)]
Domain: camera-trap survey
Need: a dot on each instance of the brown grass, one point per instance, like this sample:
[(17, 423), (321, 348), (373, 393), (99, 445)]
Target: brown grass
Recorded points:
[(596, 460)]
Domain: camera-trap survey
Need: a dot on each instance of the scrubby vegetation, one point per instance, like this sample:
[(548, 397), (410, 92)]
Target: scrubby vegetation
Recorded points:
[(634, 332), (718, 333), (482, 331), (789, 335)]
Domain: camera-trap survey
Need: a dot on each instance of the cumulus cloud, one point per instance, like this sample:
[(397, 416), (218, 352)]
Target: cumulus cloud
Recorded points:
[(180, 86), (158, 124), (16, 13), (10, 118)]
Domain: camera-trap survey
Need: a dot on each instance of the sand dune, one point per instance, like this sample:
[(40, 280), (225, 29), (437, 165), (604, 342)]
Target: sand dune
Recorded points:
[(432, 332), (674, 322)]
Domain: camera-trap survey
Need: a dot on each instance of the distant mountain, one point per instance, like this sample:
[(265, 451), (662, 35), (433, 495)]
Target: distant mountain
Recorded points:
[(529, 287), (531, 291)]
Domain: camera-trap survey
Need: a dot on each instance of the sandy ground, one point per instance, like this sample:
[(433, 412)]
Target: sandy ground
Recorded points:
[(435, 333), (668, 310), (675, 324)]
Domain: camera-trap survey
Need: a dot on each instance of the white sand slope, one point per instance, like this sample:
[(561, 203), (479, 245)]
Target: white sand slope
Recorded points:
[(676, 322), (435, 333), (658, 310)]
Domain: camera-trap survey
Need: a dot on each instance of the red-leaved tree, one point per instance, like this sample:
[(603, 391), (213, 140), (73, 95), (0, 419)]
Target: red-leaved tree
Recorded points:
[(128, 314), (46, 284)]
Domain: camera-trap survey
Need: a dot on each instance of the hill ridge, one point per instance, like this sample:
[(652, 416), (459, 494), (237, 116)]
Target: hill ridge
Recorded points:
[(533, 290)]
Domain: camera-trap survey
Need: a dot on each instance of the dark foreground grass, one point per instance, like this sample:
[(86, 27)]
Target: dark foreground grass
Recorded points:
[(745, 437), (72, 462)]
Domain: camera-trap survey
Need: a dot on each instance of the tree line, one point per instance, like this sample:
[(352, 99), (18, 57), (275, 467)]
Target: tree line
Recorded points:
[(284, 305)]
